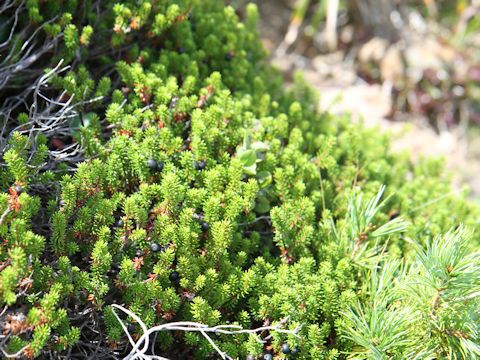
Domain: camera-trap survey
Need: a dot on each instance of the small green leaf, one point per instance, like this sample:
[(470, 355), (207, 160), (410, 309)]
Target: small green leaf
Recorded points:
[(74, 122), (247, 140), (250, 170), (264, 178), (88, 118), (248, 157), (260, 146), (81, 120), (263, 205)]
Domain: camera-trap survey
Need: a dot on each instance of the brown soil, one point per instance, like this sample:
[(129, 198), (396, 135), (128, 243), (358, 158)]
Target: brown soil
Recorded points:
[(343, 91)]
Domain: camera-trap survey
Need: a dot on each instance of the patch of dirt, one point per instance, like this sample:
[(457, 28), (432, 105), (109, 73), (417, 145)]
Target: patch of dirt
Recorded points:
[(342, 91)]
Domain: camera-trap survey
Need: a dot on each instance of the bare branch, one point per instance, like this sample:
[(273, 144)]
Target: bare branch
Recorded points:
[(189, 326)]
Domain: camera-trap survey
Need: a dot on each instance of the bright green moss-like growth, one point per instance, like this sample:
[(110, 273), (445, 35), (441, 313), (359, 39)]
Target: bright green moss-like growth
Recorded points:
[(191, 187)]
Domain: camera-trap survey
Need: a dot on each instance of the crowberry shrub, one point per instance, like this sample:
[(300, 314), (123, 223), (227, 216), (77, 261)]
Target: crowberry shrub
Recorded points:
[(173, 174)]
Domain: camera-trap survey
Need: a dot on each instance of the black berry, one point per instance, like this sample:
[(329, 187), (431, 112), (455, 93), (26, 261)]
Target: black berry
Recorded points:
[(181, 50), (18, 189), (295, 351), (152, 164), (131, 328), (174, 276), (111, 272), (205, 226), (268, 357), (286, 349), (229, 56), (120, 223), (155, 247), (62, 203), (200, 165), (160, 166)]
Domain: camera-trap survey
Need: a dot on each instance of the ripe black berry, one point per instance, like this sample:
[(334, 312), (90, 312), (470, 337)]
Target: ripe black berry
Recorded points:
[(62, 203), (112, 272), (120, 223), (286, 349), (155, 247), (268, 357), (174, 276), (200, 165), (18, 189), (160, 165), (295, 351), (164, 247), (131, 328), (152, 164), (205, 226)]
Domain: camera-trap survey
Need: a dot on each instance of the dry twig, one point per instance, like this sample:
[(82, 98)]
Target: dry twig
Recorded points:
[(140, 352)]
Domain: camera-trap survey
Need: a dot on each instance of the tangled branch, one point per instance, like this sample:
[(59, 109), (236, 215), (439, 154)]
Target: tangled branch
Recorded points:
[(188, 326), (47, 116)]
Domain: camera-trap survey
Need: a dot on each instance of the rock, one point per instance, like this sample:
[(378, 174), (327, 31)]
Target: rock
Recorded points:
[(391, 66), (373, 51)]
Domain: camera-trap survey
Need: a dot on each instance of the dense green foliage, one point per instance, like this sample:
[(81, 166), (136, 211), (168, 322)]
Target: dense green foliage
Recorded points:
[(208, 193)]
